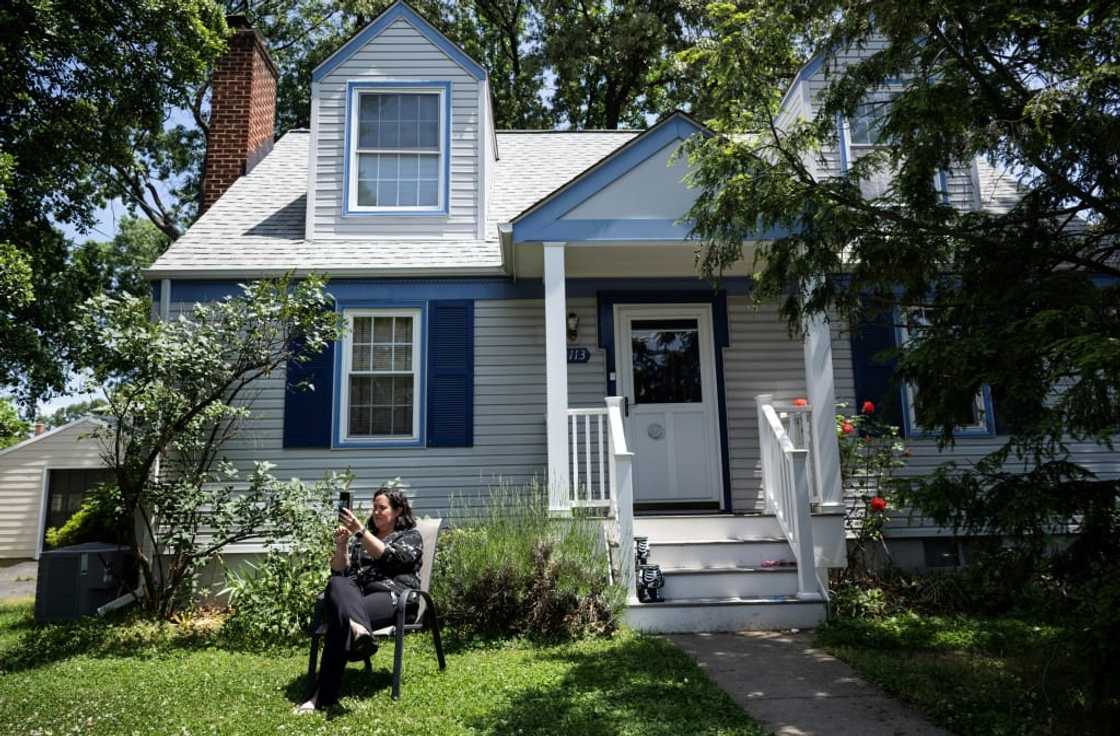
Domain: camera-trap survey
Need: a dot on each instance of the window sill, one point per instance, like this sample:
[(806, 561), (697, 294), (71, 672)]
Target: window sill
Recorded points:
[(394, 213), (357, 444)]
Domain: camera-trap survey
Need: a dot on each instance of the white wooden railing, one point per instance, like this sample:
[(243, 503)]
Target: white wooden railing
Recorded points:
[(787, 481), (588, 444), (602, 476)]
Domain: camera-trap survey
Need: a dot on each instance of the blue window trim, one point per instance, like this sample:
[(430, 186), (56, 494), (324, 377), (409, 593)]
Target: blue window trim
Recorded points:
[(842, 142), (395, 12), (915, 433), (340, 443), (943, 182), (352, 88)]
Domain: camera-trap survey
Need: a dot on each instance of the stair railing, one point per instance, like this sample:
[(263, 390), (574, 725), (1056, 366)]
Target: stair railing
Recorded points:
[(590, 484), (622, 494), (602, 476), (786, 481)]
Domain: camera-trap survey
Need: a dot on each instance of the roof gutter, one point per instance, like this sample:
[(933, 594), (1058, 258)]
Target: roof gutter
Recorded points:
[(334, 273)]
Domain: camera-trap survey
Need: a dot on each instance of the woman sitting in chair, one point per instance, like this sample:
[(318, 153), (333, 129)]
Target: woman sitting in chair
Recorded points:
[(373, 564)]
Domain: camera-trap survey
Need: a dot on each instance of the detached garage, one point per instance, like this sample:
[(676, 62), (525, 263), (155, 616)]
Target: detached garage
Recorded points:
[(42, 483)]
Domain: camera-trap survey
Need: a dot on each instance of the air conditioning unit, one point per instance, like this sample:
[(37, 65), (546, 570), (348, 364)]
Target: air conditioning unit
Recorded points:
[(74, 581)]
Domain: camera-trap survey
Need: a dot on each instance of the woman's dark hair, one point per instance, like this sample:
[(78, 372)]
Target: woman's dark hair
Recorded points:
[(398, 502)]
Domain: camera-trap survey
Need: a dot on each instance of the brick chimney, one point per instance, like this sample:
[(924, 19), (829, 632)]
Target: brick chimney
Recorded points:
[(242, 110)]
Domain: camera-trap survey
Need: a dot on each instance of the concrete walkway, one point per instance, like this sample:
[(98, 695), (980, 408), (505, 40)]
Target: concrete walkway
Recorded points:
[(18, 580), (796, 690)]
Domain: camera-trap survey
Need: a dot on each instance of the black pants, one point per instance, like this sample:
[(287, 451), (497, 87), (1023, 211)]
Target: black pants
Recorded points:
[(344, 602)]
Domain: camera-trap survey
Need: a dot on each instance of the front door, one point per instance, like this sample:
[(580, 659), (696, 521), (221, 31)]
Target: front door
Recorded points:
[(666, 370)]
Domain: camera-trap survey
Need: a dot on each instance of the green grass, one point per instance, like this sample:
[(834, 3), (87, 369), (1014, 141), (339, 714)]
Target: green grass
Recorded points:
[(135, 677), (975, 676)]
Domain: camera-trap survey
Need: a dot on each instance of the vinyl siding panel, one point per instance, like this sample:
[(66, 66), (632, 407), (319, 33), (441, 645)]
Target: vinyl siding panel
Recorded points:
[(22, 472), (802, 102), (926, 456), (399, 53), (761, 359), (509, 425)]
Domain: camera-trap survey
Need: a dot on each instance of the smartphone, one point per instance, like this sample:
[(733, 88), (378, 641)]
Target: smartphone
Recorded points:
[(343, 501)]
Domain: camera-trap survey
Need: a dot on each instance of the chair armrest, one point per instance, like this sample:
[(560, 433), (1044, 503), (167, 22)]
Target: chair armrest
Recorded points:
[(317, 614), (404, 600)]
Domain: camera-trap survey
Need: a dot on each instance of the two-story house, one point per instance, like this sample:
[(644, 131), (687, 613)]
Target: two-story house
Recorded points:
[(524, 305)]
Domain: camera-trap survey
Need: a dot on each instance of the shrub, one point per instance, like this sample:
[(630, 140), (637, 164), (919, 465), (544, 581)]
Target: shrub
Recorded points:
[(98, 519), (272, 600), (514, 570)]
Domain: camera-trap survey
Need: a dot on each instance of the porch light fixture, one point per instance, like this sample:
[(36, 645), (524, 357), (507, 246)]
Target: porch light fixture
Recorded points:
[(573, 326)]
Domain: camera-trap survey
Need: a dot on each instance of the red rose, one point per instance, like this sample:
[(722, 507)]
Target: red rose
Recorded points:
[(868, 407), (879, 504), (800, 402), (847, 428)]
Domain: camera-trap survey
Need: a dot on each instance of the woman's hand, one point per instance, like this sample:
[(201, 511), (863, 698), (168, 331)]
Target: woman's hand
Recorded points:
[(349, 521), (341, 536)]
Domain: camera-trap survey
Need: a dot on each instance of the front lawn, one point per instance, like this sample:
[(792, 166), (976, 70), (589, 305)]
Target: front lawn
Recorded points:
[(975, 676), (90, 678)]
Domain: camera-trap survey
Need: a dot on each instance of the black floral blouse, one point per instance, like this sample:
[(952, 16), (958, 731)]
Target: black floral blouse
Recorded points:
[(398, 567)]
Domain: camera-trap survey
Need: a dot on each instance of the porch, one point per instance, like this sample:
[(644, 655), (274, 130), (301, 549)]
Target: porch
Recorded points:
[(680, 427)]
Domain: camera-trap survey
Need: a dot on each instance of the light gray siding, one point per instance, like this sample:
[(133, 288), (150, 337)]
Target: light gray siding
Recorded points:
[(761, 359), (509, 445), (399, 53), (802, 102), (23, 471), (926, 456)]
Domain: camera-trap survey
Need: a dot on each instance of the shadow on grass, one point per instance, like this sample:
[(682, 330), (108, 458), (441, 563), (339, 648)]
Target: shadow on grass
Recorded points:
[(643, 685), (123, 635), (357, 683)]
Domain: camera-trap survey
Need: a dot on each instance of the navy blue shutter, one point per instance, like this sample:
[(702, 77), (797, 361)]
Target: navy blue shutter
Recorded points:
[(874, 377), (307, 411), (451, 373)]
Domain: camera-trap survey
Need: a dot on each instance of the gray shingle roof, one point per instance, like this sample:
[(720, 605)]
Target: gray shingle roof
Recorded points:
[(257, 226)]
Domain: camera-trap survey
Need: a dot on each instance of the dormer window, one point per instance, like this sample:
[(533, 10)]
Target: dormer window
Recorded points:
[(397, 148)]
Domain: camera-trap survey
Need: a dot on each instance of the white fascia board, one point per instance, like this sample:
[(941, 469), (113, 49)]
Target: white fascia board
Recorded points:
[(48, 433)]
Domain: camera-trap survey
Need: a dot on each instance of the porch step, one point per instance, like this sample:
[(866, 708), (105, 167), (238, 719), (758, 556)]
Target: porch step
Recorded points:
[(725, 614), (688, 527), (718, 553), (728, 582)]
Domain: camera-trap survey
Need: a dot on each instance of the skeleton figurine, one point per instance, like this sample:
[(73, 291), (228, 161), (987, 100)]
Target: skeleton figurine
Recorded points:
[(641, 551), (650, 582)]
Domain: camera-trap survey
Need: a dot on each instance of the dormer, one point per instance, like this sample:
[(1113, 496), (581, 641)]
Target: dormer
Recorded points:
[(400, 136), (858, 135)]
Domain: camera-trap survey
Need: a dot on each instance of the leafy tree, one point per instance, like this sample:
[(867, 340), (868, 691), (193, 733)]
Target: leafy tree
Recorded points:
[(177, 391), (1025, 302), (118, 264), (613, 60), (84, 95), (77, 410), (12, 428)]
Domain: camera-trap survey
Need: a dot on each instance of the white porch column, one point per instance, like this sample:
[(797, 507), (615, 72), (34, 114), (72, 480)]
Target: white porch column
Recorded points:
[(821, 383), (556, 375)]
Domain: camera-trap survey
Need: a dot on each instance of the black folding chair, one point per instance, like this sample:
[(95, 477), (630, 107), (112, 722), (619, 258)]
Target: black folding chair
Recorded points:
[(426, 617)]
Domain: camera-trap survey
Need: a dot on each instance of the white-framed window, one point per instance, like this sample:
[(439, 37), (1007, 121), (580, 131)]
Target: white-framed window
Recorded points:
[(380, 391), (397, 150), (865, 127), (978, 421)]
